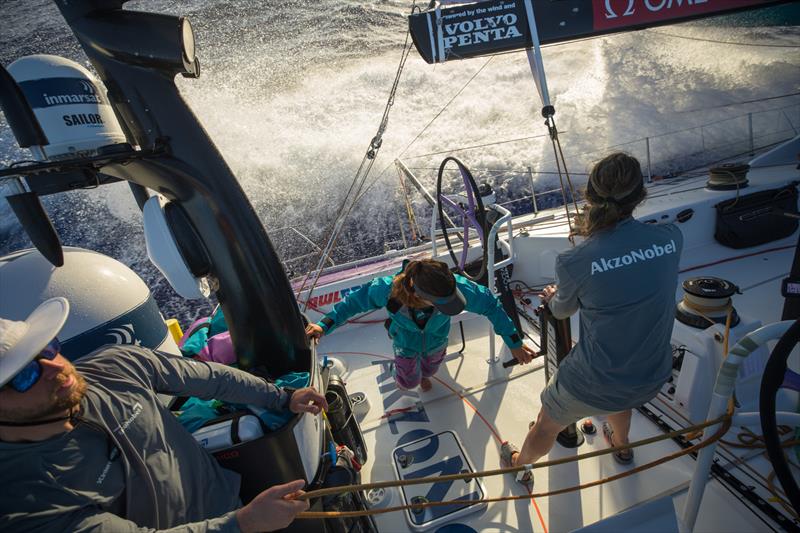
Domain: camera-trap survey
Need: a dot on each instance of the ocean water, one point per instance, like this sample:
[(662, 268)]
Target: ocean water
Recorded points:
[(292, 93)]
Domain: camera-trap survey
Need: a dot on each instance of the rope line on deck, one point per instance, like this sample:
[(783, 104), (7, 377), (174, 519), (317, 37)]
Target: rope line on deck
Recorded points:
[(725, 420), (475, 409)]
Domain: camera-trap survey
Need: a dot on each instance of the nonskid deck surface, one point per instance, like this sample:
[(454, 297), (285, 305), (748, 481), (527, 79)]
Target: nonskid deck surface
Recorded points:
[(498, 404), (485, 404)]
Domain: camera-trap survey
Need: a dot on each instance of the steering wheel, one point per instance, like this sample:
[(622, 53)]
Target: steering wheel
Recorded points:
[(776, 376), (472, 215)]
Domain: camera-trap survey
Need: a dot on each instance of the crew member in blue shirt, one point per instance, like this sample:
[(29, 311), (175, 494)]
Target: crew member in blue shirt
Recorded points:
[(420, 301), (622, 280)]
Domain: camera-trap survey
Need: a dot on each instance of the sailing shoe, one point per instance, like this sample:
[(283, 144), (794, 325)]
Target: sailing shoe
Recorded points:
[(623, 457), (524, 477)]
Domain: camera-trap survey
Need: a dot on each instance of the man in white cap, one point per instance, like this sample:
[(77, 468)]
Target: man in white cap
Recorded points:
[(91, 446)]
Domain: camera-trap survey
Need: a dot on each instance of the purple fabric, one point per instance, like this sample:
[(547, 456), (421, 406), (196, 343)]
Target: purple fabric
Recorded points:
[(219, 349), (410, 370), (191, 330), (791, 380)]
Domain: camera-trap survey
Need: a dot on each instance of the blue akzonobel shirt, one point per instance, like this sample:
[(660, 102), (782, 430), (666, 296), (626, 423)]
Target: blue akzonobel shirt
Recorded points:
[(623, 281), (409, 340)]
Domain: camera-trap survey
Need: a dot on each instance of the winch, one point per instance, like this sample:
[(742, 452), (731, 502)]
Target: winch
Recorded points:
[(706, 301)]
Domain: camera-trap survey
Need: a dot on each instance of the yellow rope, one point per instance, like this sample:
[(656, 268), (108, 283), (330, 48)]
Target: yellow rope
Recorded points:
[(726, 423), (702, 309), (724, 419), (510, 470)]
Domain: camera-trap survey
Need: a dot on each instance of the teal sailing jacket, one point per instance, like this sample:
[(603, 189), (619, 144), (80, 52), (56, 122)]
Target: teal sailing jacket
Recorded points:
[(409, 339)]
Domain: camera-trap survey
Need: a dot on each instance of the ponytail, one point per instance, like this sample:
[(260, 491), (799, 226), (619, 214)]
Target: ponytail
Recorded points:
[(614, 190)]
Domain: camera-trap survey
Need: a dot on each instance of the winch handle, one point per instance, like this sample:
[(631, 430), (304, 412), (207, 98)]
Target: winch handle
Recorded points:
[(514, 362)]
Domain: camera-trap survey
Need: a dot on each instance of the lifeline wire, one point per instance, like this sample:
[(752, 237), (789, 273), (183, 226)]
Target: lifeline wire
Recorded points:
[(374, 181), (582, 40), (736, 43)]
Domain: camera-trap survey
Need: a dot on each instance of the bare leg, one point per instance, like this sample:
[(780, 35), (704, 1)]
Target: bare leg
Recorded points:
[(425, 384), (621, 425), (539, 441)]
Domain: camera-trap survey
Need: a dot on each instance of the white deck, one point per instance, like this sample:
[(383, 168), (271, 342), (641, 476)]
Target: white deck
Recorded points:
[(485, 404), (507, 401)]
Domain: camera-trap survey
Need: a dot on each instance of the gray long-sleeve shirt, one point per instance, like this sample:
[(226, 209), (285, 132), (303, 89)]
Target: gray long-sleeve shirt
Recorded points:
[(129, 465), (623, 281)]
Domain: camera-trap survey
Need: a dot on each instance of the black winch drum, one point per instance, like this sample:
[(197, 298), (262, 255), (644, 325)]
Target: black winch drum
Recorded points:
[(344, 426), (706, 298)]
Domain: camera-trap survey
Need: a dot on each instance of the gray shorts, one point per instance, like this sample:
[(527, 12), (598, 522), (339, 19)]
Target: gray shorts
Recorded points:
[(565, 408)]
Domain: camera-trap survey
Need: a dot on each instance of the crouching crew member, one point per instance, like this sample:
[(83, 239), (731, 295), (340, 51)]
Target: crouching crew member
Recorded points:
[(91, 447), (420, 301), (622, 280)]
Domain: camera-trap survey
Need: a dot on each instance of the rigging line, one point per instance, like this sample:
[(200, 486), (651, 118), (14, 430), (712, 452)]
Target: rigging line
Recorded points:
[(412, 220), (724, 419), (333, 230), (754, 101), (382, 172), (737, 43), (734, 460), (331, 233), (445, 107), (607, 147), (334, 238), (512, 172), (477, 146), (553, 132), (566, 172), (376, 142), (370, 155), (735, 258), (724, 422)]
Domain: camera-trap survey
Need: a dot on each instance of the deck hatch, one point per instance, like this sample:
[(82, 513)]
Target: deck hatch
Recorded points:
[(437, 455)]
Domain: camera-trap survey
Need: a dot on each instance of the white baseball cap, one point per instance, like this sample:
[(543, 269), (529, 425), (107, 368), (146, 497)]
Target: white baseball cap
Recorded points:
[(21, 341)]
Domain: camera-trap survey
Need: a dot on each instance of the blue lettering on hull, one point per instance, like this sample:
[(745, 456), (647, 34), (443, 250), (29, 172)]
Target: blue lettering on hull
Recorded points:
[(390, 395)]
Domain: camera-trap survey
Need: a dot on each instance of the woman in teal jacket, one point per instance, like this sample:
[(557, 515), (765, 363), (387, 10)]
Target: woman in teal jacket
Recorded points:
[(420, 301)]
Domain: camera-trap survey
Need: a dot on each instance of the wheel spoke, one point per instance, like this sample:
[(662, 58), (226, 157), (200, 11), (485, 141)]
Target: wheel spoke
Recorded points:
[(468, 189), (450, 203), (464, 244), (474, 222), (470, 206)]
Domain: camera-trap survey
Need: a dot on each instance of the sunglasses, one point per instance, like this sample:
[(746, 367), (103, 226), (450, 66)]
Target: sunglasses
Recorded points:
[(30, 374)]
